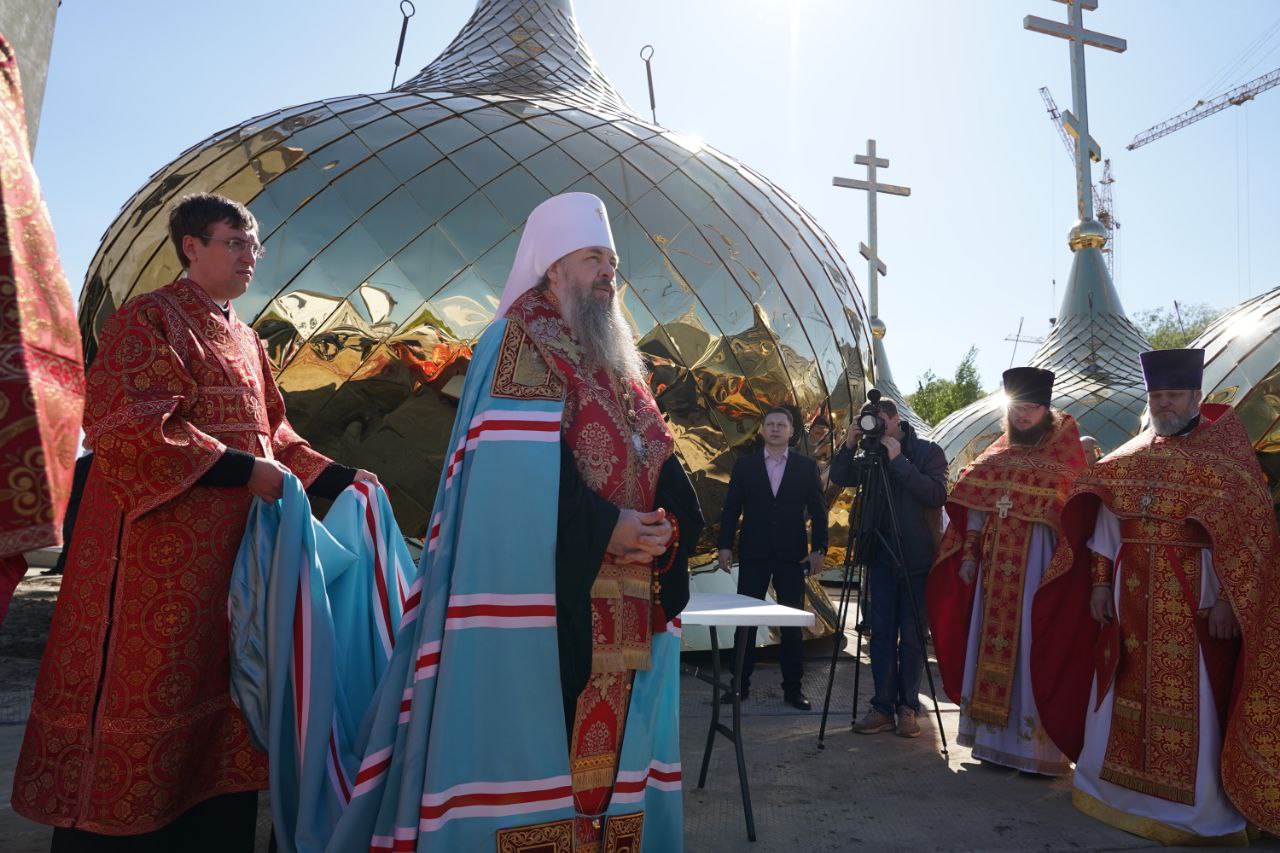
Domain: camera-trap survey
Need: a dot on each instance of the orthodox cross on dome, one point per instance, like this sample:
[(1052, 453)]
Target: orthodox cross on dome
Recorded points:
[(1076, 120), (875, 266)]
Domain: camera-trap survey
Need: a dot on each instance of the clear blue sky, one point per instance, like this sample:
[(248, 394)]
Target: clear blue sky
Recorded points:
[(793, 88)]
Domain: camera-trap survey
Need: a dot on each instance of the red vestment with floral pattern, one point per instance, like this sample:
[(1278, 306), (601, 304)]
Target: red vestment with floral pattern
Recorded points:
[(1017, 487), (132, 721), (1174, 496), (619, 442), (41, 374)]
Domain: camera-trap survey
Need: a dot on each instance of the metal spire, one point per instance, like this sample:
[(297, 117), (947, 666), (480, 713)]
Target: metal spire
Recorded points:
[(522, 47)]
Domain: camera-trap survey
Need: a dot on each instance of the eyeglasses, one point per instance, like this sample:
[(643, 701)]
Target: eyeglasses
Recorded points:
[(236, 245)]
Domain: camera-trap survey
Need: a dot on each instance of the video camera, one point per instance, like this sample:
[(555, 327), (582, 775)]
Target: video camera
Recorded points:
[(871, 422)]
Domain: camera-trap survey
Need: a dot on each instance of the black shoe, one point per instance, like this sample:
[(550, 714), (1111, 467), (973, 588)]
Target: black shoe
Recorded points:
[(726, 698), (796, 700)]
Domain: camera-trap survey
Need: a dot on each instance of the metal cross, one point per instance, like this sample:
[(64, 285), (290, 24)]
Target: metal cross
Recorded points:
[(875, 266), (1004, 505), (1076, 120)]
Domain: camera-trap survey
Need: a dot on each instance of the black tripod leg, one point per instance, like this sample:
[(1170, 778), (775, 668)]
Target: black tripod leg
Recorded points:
[(860, 548), (857, 648), (842, 615)]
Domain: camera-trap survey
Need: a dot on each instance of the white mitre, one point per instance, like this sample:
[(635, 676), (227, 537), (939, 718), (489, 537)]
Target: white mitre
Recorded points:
[(562, 224)]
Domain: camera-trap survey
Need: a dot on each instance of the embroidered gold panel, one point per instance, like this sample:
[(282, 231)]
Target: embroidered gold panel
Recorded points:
[(553, 837)]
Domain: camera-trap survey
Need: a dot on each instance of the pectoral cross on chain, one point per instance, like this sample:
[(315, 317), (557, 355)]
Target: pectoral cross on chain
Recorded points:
[(1146, 502), (1004, 505)]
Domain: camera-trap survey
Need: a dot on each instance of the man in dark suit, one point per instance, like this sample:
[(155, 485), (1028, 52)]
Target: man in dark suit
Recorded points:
[(772, 492)]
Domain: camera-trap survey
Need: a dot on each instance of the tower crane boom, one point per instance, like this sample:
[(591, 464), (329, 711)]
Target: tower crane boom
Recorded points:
[(1056, 117), (1203, 109), (1102, 193)]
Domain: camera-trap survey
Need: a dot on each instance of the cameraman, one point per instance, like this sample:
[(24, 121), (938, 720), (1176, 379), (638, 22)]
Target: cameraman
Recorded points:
[(917, 471)]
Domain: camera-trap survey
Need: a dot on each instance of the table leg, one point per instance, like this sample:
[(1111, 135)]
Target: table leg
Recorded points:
[(734, 733), (740, 653), (715, 704)]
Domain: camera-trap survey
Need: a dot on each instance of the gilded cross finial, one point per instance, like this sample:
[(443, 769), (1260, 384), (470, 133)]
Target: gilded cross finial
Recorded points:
[(875, 266), (1076, 120)]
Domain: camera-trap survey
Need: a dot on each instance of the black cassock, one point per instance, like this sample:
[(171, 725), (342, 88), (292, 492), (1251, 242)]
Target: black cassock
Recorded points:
[(583, 528)]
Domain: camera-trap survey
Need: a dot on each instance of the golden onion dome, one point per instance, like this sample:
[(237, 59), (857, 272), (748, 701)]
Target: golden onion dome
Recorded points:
[(390, 222), (1242, 369)]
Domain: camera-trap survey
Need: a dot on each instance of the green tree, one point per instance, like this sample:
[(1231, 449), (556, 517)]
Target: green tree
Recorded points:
[(935, 397), (1174, 328)]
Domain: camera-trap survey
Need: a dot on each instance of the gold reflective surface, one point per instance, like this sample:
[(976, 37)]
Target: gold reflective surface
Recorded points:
[(391, 222), (1242, 369)]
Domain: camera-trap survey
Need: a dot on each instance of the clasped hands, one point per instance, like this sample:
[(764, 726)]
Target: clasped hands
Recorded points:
[(1223, 624), (266, 481), (638, 537)]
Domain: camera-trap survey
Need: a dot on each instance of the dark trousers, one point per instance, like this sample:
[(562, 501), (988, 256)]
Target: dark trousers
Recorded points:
[(223, 824), (897, 660), (788, 588)]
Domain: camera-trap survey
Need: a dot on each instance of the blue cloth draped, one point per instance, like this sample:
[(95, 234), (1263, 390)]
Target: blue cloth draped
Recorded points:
[(420, 709)]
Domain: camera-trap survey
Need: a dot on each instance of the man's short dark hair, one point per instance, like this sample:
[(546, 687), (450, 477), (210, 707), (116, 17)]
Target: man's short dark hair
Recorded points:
[(195, 214), (781, 410), (889, 407)]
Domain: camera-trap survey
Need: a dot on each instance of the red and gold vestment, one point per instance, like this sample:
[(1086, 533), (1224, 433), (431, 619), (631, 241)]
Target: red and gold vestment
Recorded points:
[(1174, 496), (132, 722), (1017, 487), (41, 373)]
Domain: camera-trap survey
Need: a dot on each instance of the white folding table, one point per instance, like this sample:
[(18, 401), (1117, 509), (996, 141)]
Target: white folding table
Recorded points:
[(742, 612)]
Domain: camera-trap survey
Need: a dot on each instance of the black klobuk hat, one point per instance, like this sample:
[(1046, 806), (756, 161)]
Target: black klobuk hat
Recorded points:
[(1173, 369), (1028, 385)]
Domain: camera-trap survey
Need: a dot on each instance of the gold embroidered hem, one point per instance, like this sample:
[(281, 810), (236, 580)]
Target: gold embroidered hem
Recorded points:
[(621, 624), (553, 837), (1012, 759), (1148, 827), (598, 727), (624, 833)]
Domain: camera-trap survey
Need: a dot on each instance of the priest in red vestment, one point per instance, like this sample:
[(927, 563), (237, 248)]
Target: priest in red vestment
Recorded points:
[(132, 729), (1157, 626), (1003, 514), (41, 376)]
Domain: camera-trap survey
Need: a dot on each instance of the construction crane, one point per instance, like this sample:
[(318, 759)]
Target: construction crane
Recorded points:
[(1103, 197), (1203, 109)]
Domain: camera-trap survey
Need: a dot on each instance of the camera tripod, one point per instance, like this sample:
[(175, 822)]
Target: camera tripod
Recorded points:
[(873, 504)]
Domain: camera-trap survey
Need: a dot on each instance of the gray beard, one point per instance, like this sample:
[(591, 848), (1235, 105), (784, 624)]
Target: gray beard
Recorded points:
[(606, 337), (1171, 423)]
